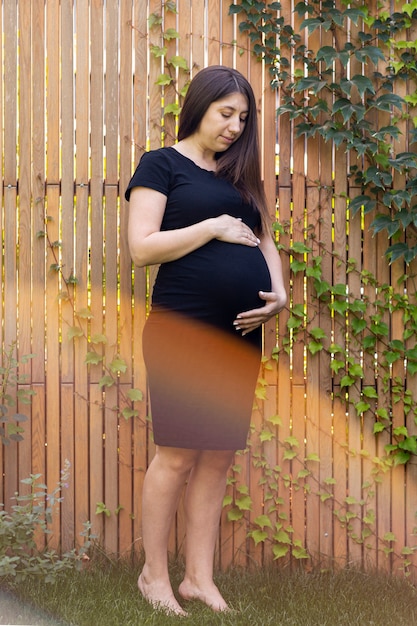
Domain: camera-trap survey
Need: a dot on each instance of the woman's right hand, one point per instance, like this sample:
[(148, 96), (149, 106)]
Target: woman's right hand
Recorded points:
[(234, 230)]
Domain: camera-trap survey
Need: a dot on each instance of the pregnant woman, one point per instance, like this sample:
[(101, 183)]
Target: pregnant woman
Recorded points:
[(198, 209)]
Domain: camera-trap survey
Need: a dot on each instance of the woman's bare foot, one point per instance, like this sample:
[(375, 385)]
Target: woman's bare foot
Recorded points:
[(209, 594), (160, 596)]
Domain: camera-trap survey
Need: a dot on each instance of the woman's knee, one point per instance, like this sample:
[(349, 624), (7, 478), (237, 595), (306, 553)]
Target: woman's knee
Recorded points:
[(216, 460), (178, 460)]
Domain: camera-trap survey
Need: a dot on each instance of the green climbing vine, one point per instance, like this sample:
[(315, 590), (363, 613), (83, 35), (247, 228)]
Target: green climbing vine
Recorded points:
[(112, 368)]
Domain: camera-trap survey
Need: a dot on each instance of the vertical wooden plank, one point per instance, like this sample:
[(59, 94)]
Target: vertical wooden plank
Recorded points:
[(2, 345), (298, 379), (314, 433), (125, 500), (340, 426), (25, 446), (52, 363), (96, 454), (67, 181), (284, 399), (315, 317), (227, 34), (97, 179), (25, 235), (213, 31), (155, 69), (82, 92), (170, 96), (140, 451), (68, 537), (354, 528), (110, 415), (198, 35), (126, 462), (38, 437), (67, 222), (38, 187), (9, 287)]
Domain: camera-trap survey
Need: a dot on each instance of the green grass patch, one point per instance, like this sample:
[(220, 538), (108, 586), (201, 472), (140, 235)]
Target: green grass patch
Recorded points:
[(106, 594)]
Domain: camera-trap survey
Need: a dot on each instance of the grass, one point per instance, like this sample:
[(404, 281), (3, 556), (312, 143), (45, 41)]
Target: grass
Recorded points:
[(106, 595)]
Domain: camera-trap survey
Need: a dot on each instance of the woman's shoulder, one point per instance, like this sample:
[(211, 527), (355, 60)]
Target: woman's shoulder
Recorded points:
[(159, 155), (154, 170)]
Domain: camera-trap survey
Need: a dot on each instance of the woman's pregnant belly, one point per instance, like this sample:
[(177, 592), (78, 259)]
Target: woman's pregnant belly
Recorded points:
[(213, 283)]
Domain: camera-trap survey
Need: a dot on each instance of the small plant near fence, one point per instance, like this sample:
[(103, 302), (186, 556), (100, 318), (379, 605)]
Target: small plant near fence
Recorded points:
[(10, 394), (24, 523)]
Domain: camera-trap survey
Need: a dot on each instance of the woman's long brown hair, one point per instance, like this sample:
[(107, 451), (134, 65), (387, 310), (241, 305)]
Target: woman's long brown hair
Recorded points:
[(239, 164)]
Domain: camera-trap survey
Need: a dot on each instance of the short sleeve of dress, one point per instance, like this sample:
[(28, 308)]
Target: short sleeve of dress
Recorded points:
[(154, 171)]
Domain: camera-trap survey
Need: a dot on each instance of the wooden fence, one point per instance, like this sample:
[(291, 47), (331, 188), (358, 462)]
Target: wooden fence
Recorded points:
[(80, 104)]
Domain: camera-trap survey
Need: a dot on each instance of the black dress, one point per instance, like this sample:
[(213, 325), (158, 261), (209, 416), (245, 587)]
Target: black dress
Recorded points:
[(202, 373)]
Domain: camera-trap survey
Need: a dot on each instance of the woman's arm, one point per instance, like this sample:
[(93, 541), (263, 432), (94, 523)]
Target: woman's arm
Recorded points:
[(149, 245), (275, 300)]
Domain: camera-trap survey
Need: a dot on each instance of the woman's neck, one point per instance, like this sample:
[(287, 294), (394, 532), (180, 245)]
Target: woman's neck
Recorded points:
[(191, 149)]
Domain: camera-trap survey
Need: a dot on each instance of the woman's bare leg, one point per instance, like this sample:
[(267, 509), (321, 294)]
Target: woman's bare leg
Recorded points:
[(203, 506), (162, 488)]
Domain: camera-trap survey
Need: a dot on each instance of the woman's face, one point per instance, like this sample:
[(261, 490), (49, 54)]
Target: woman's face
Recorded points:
[(223, 122)]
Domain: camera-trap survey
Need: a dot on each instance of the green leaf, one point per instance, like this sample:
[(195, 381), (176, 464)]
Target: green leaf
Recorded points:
[(93, 358), (227, 500), (358, 202), (358, 325), (178, 61), (75, 331), (297, 266), (362, 407), (390, 537), (106, 381), (163, 79), (263, 521), (314, 347), (157, 52), (135, 395), (317, 333), (372, 53), (300, 553), (173, 108), (84, 314), (118, 365), (234, 515), (369, 392), (128, 413), (400, 431), (292, 441), (289, 455), (313, 456), (279, 551), (171, 33), (258, 536), (282, 536), (266, 435), (101, 508), (409, 444), (363, 84), (327, 54), (275, 420), (244, 503), (98, 338)]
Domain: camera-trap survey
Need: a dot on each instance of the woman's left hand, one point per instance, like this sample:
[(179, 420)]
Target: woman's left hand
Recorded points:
[(249, 320)]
